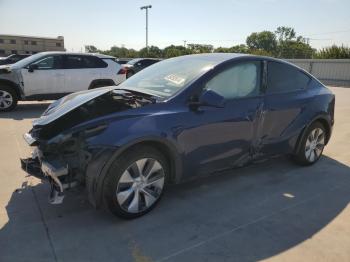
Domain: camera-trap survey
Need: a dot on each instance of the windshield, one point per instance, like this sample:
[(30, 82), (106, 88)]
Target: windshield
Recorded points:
[(26, 61), (169, 76)]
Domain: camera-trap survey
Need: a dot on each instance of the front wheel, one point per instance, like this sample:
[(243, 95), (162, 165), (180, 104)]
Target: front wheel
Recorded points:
[(8, 99), (135, 182), (312, 145)]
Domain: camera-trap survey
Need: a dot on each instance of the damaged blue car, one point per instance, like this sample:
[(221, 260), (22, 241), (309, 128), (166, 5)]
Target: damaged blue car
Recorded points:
[(179, 118)]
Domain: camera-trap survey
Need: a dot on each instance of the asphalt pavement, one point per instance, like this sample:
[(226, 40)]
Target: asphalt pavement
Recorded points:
[(275, 210)]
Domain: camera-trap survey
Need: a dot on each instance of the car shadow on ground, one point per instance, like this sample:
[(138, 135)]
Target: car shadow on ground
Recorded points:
[(245, 214), (26, 110)]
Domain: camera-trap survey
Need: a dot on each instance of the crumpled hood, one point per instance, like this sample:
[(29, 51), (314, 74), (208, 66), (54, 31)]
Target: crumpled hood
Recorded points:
[(68, 103)]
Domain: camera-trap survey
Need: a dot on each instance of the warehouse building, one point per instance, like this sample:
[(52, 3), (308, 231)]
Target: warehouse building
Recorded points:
[(19, 44)]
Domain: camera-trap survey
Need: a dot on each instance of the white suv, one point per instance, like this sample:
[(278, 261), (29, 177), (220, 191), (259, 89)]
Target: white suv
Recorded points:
[(51, 75)]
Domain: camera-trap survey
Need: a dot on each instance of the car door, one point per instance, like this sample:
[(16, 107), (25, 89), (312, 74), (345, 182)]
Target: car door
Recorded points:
[(221, 138), (79, 72), (44, 76), (284, 109)]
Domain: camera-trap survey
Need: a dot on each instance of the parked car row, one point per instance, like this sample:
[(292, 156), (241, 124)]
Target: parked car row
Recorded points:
[(51, 75), (135, 65), (179, 118), (11, 59)]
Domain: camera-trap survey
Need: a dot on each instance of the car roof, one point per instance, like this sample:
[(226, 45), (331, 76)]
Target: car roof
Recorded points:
[(218, 58), (143, 58), (76, 53)]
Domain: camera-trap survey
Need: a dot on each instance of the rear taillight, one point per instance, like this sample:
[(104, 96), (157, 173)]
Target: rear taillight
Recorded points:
[(122, 71)]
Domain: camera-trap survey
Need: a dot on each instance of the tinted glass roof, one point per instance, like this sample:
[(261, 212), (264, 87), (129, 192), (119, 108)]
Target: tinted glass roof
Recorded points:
[(216, 57)]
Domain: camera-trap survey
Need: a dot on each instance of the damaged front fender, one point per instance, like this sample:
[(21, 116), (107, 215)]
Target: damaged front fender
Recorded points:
[(68, 141)]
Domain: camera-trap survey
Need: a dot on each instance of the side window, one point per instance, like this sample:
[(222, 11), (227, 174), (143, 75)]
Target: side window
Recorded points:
[(49, 62), (15, 59), (73, 62), (78, 62), (93, 62), (284, 78), (140, 63), (241, 80), (148, 62)]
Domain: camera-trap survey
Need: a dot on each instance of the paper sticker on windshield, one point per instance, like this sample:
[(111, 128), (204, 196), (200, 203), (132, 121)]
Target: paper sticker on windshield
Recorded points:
[(177, 80)]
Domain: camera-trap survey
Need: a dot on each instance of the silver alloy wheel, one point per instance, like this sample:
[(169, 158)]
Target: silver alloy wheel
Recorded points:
[(314, 144), (140, 185), (6, 99)]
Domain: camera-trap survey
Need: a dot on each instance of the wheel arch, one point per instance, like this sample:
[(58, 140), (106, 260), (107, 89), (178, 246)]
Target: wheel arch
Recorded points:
[(16, 88), (324, 120), (161, 144)]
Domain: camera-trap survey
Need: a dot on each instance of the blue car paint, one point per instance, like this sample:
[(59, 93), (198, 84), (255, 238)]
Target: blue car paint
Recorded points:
[(209, 139)]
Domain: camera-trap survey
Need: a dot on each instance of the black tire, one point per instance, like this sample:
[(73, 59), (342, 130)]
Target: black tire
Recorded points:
[(9, 94), (117, 169), (304, 147)]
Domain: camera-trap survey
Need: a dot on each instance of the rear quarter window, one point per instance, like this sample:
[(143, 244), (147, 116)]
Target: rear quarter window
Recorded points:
[(94, 62), (282, 77), (79, 62)]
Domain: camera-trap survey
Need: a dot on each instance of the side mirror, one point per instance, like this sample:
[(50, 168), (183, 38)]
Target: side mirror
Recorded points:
[(209, 98), (32, 67)]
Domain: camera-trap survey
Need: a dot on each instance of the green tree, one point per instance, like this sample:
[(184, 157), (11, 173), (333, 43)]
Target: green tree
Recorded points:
[(263, 41), (292, 46), (283, 43), (295, 49), (285, 33), (239, 49), (173, 51), (121, 52), (153, 51), (200, 48), (334, 52), (234, 49), (222, 50), (91, 49)]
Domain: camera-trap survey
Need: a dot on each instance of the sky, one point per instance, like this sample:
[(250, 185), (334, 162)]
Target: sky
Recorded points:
[(105, 23)]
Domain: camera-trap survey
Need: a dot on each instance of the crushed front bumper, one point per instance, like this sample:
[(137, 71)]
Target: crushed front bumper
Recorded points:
[(51, 171)]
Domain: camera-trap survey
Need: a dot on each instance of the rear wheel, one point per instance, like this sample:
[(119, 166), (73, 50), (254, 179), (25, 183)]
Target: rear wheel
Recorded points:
[(312, 145), (135, 182), (8, 99)]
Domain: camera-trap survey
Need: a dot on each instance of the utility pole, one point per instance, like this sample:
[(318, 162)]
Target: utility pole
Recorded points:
[(146, 8)]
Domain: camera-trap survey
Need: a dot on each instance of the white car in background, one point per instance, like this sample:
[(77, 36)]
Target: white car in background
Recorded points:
[(51, 75)]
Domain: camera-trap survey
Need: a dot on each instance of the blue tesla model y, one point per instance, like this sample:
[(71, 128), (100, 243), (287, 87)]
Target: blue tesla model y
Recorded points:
[(179, 118)]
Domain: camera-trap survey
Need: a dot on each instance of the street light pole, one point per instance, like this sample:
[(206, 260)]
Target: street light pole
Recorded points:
[(146, 7)]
